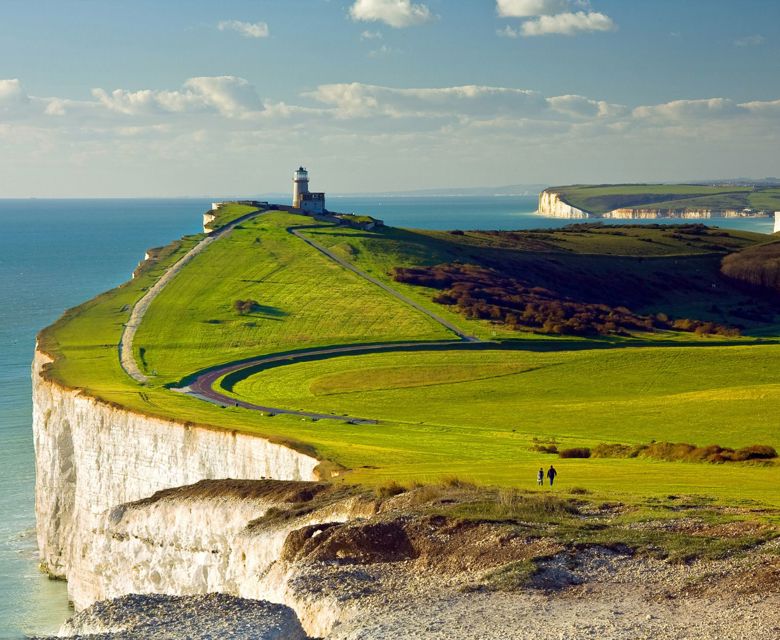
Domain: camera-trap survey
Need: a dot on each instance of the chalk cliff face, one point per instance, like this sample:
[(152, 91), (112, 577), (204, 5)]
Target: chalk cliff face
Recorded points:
[(92, 457), (207, 538), (550, 204), (684, 214), (208, 218)]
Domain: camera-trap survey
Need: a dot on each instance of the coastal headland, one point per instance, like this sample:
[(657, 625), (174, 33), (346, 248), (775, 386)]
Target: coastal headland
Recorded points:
[(333, 415), (651, 201)]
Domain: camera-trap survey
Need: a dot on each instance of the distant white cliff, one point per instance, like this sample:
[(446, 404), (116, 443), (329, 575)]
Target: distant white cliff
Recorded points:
[(550, 204)]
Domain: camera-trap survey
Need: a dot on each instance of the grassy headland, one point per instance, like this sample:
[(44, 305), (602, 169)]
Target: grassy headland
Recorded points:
[(599, 199), (480, 413)]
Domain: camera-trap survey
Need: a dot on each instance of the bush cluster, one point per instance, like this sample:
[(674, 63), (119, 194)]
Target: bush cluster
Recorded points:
[(575, 452), (683, 451), (485, 294), (246, 306)]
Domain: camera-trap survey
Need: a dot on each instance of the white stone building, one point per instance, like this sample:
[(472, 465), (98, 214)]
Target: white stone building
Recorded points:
[(308, 202)]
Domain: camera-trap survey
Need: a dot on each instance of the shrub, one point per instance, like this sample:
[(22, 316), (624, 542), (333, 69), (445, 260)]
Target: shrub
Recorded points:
[(246, 306), (576, 452), (390, 489), (545, 448), (457, 483), (755, 452), (614, 450)]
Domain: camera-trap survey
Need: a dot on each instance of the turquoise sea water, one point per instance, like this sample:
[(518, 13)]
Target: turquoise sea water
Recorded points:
[(55, 254)]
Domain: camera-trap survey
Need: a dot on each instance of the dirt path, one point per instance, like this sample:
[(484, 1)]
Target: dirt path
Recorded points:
[(408, 301), (126, 357), (202, 384)]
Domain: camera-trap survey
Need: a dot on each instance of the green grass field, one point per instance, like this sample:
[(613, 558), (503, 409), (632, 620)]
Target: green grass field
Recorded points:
[(473, 414), (483, 409), (304, 300), (599, 199)]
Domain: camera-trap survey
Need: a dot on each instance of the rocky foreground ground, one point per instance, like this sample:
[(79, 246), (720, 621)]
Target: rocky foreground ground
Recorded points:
[(452, 563)]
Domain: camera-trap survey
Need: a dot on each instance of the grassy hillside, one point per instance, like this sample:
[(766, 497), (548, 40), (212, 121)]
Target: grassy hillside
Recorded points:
[(702, 394), (303, 300), (652, 269), (757, 266), (476, 414), (599, 199)]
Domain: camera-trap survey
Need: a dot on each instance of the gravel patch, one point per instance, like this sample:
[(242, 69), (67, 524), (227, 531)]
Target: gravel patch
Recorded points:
[(206, 617)]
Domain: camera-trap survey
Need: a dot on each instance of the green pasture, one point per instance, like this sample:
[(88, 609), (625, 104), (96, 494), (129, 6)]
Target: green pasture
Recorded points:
[(704, 395), (472, 414), (304, 300), (476, 413), (649, 269)]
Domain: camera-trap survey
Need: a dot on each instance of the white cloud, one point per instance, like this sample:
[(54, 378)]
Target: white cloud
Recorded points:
[(396, 13), (11, 94), (508, 32), (371, 35), (217, 134), (750, 41), (362, 100), (246, 29), (228, 95), (568, 24), (692, 110), (529, 8)]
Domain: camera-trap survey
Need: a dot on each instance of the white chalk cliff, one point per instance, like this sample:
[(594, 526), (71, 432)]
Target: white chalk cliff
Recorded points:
[(93, 458), (550, 204)]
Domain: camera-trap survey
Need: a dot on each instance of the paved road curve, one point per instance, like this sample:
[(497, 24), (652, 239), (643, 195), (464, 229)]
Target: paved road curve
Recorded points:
[(202, 384)]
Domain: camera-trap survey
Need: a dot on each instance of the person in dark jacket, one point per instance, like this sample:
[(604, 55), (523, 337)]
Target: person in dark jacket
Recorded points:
[(551, 473)]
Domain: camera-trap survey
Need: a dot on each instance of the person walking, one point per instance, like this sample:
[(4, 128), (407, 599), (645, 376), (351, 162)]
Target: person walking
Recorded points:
[(551, 473), (540, 477)]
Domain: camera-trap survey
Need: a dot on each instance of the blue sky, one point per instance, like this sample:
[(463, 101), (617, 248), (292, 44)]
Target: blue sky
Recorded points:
[(115, 98)]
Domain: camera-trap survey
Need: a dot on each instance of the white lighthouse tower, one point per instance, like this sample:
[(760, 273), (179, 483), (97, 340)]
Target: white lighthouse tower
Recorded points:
[(308, 202), (300, 185)]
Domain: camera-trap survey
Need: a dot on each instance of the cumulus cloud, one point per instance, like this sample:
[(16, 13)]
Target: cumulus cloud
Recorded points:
[(11, 94), (396, 13), (361, 100), (530, 8), (211, 129), (692, 110), (371, 35), (750, 41), (246, 29), (546, 17), (568, 24), (228, 95)]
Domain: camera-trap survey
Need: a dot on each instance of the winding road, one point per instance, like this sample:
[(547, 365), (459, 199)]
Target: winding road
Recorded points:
[(202, 384), (126, 357)]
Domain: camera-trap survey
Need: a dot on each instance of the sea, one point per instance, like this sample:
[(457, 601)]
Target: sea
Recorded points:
[(55, 254)]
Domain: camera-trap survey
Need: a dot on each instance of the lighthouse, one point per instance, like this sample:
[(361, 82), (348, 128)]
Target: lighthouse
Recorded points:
[(308, 202), (300, 185)]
